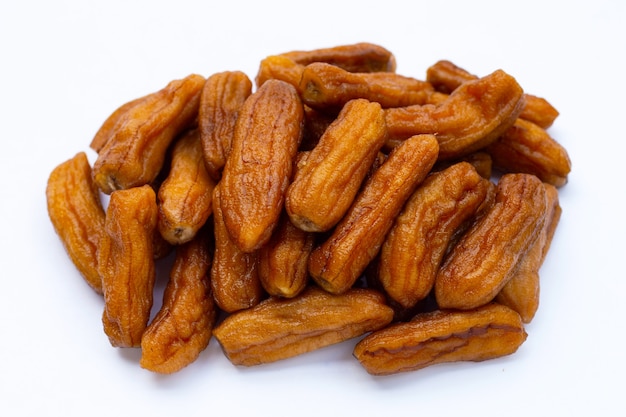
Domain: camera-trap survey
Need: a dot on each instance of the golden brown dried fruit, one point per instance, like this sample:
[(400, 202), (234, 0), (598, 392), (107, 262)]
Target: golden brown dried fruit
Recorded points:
[(465, 119), (260, 164), (412, 252), (446, 77), (526, 147), (481, 263), (77, 215), (234, 274), (107, 130), (539, 111), (338, 262), (325, 86), (473, 116), (183, 326), (485, 333), (222, 96), (126, 264), (186, 194), (278, 67), (280, 328), (521, 292), (134, 153), (325, 184), (358, 57), (283, 261)]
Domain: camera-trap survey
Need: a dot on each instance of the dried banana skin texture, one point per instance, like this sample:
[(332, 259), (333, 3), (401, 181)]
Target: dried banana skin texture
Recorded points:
[(472, 117), (259, 167), (482, 262), (75, 210), (183, 327), (126, 264), (415, 246), (487, 332), (279, 328), (327, 180), (222, 97), (134, 153)]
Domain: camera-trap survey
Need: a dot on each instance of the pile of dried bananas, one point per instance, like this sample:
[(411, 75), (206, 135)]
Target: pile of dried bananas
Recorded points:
[(338, 199)]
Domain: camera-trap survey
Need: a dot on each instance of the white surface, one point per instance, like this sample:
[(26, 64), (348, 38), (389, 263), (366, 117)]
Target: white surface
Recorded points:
[(67, 64)]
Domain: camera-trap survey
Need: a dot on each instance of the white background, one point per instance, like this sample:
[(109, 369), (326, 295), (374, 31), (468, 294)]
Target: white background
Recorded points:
[(65, 65)]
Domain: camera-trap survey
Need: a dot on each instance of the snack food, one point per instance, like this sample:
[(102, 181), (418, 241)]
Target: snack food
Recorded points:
[(278, 328), (77, 215), (234, 273), (327, 180), (283, 261), (185, 195), (222, 96), (442, 336), (133, 152), (183, 326), (482, 262), (473, 116), (526, 147), (126, 264), (326, 86), (337, 199), (358, 57), (446, 77), (521, 292), (260, 163)]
